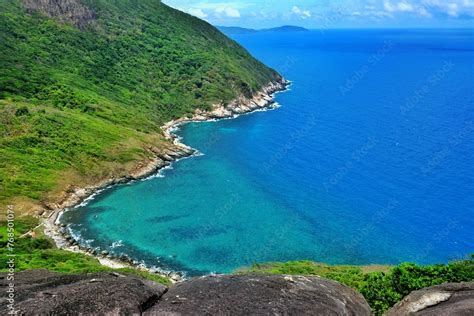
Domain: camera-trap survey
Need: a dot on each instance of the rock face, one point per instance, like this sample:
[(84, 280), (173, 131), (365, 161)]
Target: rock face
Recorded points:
[(260, 295), (446, 299), (43, 292), (71, 11)]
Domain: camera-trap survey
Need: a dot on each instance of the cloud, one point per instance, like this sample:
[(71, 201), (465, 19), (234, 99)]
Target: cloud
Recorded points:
[(430, 8), (217, 10), (229, 12), (197, 12), (342, 12), (402, 6), (304, 14), (451, 9), (424, 13)]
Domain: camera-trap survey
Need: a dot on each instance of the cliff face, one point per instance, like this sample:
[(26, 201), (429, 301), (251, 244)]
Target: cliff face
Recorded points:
[(70, 11)]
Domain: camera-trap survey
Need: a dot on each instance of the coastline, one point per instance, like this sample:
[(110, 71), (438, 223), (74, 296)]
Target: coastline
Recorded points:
[(263, 99)]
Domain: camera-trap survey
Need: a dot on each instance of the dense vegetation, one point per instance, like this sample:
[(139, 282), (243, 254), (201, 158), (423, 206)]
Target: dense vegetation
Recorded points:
[(382, 287), (78, 104), (36, 251)]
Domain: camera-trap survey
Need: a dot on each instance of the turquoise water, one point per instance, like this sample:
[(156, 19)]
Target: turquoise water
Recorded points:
[(369, 159)]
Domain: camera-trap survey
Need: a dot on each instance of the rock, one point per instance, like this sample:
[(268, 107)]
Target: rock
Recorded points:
[(70, 11), (260, 295), (40, 211), (44, 292), (40, 292), (220, 112), (239, 110), (165, 157), (446, 299)]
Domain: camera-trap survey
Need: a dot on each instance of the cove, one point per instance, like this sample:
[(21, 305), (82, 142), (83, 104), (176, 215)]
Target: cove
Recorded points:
[(367, 161)]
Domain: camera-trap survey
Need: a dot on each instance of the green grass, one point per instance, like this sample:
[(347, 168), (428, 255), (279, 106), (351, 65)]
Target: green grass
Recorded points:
[(39, 252), (70, 98), (382, 286)]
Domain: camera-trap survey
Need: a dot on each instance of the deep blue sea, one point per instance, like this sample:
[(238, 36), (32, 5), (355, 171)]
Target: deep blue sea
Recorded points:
[(369, 160)]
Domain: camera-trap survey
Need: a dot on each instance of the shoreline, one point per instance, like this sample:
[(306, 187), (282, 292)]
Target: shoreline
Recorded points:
[(262, 100)]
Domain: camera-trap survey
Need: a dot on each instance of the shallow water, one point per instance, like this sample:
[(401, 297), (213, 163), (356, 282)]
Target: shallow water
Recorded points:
[(368, 160)]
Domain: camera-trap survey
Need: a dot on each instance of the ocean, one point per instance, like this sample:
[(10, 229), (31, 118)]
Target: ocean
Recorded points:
[(367, 160)]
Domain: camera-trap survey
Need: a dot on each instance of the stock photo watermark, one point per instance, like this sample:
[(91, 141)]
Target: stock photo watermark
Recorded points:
[(296, 136), (354, 158), (439, 157), (433, 80), (374, 223), (11, 263), (360, 73)]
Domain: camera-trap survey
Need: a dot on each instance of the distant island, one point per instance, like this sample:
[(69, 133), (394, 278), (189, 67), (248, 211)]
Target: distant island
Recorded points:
[(235, 30)]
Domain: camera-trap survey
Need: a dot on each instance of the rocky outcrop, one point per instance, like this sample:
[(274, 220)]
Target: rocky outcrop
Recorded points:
[(260, 295), (69, 11), (241, 105), (260, 100), (446, 299), (43, 292)]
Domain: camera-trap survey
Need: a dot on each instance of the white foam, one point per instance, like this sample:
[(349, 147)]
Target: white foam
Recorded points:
[(116, 244)]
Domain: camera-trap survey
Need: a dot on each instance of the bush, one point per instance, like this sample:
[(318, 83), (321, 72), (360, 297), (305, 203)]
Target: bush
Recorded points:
[(381, 289), (22, 111)]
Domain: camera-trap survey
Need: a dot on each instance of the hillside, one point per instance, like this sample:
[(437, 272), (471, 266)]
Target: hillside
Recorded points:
[(86, 85)]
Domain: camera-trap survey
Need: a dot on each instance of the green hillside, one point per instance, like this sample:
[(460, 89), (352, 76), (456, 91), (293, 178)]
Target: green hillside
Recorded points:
[(85, 87)]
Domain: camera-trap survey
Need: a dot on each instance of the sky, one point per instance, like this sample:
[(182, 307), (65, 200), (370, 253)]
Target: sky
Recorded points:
[(332, 14)]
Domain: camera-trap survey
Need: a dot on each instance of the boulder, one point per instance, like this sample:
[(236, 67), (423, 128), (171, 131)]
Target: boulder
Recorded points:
[(40, 292), (446, 299), (47, 293), (260, 295)]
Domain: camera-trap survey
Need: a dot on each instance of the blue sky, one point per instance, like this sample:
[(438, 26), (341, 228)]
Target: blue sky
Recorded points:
[(331, 14)]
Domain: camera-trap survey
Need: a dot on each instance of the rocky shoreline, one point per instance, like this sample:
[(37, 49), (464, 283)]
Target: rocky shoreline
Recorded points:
[(264, 99)]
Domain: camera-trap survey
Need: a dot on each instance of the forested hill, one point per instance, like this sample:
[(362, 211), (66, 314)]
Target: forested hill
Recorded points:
[(86, 84)]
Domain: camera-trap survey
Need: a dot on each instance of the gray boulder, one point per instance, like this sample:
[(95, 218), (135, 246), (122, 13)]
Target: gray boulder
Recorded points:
[(260, 295), (446, 299), (46, 293)]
